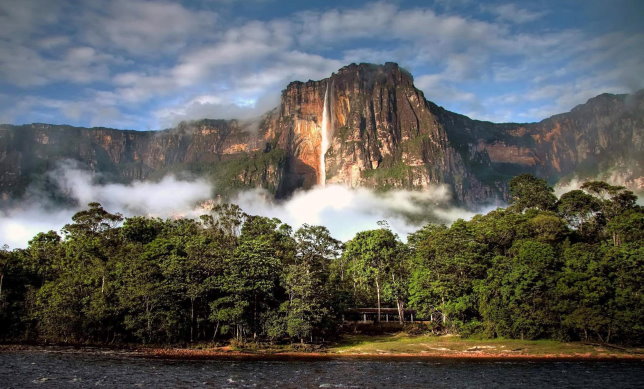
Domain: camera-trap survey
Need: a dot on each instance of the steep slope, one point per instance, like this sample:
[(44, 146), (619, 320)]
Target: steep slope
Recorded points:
[(376, 130), (382, 135), (226, 150)]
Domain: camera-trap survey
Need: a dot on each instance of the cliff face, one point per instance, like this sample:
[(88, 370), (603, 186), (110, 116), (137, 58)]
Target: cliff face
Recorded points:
[(377, 131), (601, 138), (28, 152), (382, 134)]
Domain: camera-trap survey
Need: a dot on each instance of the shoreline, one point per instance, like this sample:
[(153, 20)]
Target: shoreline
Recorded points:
[(174, 353)]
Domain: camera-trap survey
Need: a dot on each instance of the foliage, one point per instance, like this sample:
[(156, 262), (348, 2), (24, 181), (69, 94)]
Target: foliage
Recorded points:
[(528, 191), (568, 269)]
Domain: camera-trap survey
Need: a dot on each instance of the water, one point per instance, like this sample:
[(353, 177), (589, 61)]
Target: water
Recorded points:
[(325, 131), (38, 369)]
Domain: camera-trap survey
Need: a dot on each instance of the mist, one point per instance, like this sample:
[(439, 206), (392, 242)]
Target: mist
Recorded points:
[(343, 210), (613, 177)]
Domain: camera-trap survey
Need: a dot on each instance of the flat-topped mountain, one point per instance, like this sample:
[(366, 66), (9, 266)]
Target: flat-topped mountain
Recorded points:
[(365, 125)]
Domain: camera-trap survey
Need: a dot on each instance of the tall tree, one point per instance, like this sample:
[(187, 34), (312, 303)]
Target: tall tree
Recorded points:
[(307, 282), (579, 209), (528, 191), (517, 297), (371, 256), (447, 263), (251, 279)]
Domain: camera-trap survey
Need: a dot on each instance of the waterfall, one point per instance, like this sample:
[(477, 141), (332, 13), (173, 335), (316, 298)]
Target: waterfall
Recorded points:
[(325, 132)]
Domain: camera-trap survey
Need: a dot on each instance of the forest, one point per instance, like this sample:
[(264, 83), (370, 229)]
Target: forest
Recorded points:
[(568, 268)]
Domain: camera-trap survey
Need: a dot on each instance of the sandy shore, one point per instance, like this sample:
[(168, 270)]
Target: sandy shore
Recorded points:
[(227, 353), (178, 353)]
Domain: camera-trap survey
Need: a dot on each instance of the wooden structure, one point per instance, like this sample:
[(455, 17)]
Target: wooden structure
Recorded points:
[(370, 315)]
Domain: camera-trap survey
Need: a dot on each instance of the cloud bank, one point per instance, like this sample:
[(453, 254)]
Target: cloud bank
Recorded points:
[(343, 210), (147, 64)]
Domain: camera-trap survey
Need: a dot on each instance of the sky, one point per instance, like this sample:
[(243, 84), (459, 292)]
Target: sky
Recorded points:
[(146, 65)]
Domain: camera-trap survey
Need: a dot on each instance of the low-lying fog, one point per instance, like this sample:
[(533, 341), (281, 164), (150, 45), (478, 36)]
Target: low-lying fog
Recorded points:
[(343, 210)]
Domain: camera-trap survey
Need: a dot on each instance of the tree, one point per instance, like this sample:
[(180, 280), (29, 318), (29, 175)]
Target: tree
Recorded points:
[(517, 296), (583, 289), (142, 294), (140, 229), (518, 272), (548, 227), (627, 227), (371, 256), (250, 282), (44, 255), (579, 210), (528, 191), (307, 283), (92, 238), (17, 283), (5, 259), (446, 265), (92, 221), (614, 199), (78, 302)]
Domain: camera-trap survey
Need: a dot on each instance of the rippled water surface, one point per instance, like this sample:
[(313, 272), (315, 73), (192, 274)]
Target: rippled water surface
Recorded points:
[(23, 369)]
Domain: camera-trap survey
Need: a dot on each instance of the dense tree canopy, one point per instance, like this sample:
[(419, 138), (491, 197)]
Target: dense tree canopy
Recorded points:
[(568, 268), (527, 191)]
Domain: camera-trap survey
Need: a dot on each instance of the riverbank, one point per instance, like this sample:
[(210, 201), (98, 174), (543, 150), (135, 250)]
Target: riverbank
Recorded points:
[(398, 346), (78, 367)]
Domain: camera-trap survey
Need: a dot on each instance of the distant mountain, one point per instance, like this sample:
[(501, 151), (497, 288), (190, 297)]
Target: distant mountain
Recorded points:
[(378, 131)]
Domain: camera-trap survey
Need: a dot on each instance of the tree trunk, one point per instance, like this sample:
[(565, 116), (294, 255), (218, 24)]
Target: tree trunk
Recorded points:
[(614, 239), (378, 293), (1, 279), (192, 318), (214, 335), (443, 312), (255, 318), (103, 285), (401, 311), (149, 320), (355, 290)]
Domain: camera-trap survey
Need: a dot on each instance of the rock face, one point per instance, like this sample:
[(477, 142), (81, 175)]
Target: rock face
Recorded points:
[(384, 134), (28, 152), (381, 131)]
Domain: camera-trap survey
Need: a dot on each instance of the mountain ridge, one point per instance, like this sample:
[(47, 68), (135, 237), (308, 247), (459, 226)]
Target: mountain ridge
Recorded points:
[(384, 134)]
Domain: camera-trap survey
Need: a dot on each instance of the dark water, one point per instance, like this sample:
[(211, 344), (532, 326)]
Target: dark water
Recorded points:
[(25, 369)]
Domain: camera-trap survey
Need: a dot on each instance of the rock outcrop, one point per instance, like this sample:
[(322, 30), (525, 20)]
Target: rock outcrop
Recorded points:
[(382, 133)]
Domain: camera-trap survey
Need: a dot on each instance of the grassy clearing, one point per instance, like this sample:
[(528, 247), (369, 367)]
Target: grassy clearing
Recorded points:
[(445, 345)]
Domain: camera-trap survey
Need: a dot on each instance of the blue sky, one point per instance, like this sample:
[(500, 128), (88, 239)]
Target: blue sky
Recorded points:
[(148, 64)]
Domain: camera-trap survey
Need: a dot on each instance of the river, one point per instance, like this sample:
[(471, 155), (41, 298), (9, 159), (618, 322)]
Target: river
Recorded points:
[(43, 369)]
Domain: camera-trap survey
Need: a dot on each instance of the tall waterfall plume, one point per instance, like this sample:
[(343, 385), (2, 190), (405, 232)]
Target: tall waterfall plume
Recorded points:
[(327, 132)]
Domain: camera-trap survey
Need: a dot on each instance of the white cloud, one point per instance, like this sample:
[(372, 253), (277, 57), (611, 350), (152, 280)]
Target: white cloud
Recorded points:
[(618, 175), (250, 94), (102, 113), (169, 197), (146, 28), (343, 210), (20, 20), (162, 198), (211, 106), (19, 225), (26, 67), (346, 211), (513, 14), (156, 58)]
